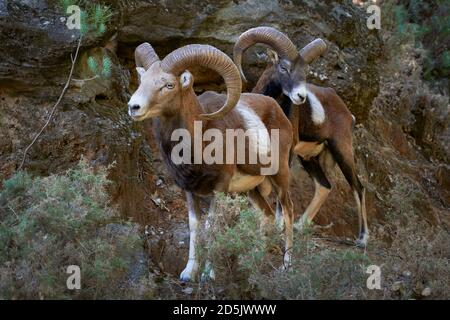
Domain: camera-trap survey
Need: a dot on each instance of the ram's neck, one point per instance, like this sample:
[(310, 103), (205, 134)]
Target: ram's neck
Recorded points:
[(268, 85), (187, 110), (187, 175), (184, 111), (190, 109)]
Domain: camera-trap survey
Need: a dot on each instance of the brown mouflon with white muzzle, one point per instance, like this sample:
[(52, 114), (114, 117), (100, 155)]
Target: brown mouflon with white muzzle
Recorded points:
[(166, 94), (322, 123)]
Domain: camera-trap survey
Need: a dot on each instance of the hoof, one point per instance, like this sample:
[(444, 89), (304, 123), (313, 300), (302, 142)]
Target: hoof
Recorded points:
[(189, 273), (287, 262), (362, 241), (185, 277), (286, 267)]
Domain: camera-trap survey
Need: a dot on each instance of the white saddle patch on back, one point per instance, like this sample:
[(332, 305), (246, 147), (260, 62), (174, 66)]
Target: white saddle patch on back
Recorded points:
[(258, 134), (317, 110)]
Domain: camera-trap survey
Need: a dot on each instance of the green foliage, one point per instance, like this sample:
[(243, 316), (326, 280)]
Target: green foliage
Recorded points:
[(100, 16), (49, 223), (446, 59), (85, 27), (107, 66), (427, 25), (92, 64), (248, 262), (66, 4), (235, 239), (400, 18), (317, 274), (94, 17)]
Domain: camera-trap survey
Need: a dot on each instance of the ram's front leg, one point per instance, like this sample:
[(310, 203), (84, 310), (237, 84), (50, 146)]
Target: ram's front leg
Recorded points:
[(190, 272)]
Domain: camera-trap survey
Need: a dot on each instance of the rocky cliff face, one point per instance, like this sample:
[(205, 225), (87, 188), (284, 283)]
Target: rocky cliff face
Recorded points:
[(402, 133)]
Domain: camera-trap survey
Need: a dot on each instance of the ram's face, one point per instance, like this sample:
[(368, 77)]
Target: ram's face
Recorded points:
[(155, 95), (292, 77)]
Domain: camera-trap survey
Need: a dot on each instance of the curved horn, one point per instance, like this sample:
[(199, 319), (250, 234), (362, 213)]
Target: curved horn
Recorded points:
[(313, 50), (145, 56), (207, 56), (267, 35)]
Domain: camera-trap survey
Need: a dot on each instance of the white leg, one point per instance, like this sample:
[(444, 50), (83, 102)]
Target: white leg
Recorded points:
[(285, 206), (362, 218), (288, 230), (190, 272), (279, 219)]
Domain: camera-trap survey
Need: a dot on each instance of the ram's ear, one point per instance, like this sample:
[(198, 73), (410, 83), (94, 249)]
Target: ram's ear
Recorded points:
[(272, 55), (186, 80), (140, 72)]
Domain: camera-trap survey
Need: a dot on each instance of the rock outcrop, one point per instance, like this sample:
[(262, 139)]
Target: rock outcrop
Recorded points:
[(396, 138)]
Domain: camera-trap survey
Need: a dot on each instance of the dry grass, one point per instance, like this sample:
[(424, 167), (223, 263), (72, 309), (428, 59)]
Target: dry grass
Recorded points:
[(414, 253)]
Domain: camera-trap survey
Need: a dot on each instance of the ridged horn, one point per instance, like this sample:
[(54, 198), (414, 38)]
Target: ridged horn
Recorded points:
[(267, 35), (313, 50), (145, 56), (207, 56)]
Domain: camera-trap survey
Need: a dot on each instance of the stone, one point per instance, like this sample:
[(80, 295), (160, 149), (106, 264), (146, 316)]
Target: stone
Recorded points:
[(426, 292)]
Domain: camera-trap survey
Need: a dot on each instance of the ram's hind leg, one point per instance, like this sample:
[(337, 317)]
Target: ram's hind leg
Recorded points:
[(281, 184), (260, 202), (322, 189), (342, 151)]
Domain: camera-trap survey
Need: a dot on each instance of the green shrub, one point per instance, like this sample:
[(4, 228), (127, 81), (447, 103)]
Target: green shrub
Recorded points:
[(49, 223), (248, 264), (94, 17), (232, 238), (317, 274), (427, 25)]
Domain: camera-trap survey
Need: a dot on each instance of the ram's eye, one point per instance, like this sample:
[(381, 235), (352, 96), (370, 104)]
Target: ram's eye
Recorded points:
[(170, 86), (283, 69)]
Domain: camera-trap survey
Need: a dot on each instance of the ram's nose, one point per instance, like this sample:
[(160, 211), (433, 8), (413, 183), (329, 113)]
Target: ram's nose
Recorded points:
[(302, 97), (133, 108)]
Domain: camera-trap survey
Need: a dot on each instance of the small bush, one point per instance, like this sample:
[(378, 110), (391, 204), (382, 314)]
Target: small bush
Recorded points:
[(425, 24), (248, 264), (49, 223), (94, 17), (233, 245), (317, 274)]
